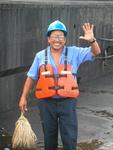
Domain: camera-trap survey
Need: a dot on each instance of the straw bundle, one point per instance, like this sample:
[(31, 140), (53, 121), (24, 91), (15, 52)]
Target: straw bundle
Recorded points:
[(23, 136)]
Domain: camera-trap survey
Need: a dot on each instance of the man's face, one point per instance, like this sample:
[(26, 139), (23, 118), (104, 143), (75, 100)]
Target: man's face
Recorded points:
[(56, 40)]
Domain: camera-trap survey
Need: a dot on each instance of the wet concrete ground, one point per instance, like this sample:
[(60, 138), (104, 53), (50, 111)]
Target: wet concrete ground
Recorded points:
[(95, 116), (95, 113)]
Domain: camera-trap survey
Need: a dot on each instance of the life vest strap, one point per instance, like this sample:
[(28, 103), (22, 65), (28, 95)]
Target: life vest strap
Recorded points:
[(56, 87), (55, 75), (46, 60), (61, 87), (38, 89), (74, 88)]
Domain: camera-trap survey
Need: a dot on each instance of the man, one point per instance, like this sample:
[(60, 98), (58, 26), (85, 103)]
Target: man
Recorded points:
[(55, 70)]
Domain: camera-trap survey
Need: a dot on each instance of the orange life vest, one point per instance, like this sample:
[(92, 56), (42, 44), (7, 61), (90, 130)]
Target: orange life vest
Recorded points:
[(45, 82), (62, 84)]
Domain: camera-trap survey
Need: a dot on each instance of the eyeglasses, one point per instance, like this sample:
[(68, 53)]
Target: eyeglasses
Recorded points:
[(60, 37)]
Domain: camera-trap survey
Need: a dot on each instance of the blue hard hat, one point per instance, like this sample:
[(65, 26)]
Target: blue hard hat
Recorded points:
[(56, 25)]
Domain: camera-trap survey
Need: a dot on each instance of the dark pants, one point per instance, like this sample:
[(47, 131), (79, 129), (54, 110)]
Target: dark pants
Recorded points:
[(59, 113)]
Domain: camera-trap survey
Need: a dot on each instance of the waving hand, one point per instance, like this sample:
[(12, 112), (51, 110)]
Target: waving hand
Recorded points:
[(88, 32)]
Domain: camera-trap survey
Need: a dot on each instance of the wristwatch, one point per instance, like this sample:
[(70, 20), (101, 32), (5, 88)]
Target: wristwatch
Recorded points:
[(92, 41)]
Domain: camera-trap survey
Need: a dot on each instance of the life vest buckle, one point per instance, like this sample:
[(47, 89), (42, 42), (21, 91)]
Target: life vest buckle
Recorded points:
[(56, 87)]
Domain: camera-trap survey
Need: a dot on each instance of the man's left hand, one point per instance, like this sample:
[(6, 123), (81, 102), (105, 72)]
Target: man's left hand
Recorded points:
[(88, 32)]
